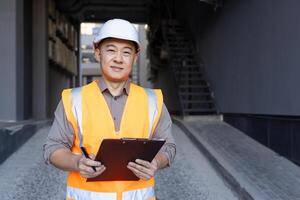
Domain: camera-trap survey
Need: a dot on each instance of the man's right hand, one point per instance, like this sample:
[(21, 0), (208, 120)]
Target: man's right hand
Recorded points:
[(64, 159), (85, 165)]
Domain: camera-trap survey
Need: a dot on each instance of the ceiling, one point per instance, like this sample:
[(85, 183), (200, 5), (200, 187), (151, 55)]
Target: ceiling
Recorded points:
[(102, 10)]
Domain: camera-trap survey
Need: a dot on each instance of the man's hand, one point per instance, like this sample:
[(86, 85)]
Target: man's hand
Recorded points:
[(143, 169), (64, 159), (85, 165)]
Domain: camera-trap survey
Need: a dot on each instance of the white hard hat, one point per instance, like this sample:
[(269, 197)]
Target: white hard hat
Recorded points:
[(118, 28)]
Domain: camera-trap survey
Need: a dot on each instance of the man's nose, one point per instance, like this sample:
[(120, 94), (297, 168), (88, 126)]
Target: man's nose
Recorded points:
[(118, 57)]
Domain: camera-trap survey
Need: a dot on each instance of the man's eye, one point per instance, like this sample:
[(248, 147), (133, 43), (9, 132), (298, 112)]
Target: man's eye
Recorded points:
[(127, 53), (110, 50)]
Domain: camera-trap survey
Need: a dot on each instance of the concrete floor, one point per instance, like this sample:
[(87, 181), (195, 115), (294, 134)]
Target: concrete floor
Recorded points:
[(25, 176), (252, 170), (191, 177)]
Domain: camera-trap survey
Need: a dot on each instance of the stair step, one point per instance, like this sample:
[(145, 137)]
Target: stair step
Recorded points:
[(198, 79), (204, 110), (193, 86), (186, 77), (194, 82), (187, 73), (177, 25), (180, 47), (176, 46), (190, 52), (176, 36), (190, 63), (184, 72), (196, 90), (177, 43), (198, 82), (171, 21), (198, 101), (170, 30), (186, 93), (186, 50), (184, 58), (185, 41), (187, 69), (181, 50), (182, 53), (181, 38), (176, 29), (186, 66)]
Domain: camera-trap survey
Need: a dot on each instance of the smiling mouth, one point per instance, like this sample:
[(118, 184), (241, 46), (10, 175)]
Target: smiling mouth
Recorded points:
[(115, 68)]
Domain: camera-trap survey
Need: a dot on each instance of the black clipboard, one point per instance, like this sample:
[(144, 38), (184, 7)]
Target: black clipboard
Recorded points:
[(115, 154)]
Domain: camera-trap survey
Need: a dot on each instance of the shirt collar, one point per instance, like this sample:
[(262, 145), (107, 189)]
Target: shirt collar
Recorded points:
[(103, 87)]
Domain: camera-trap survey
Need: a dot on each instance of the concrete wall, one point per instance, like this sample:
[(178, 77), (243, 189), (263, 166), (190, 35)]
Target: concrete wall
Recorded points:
[(166, 82), (251, 53), (27, 50), (8, 58), (40, 59)]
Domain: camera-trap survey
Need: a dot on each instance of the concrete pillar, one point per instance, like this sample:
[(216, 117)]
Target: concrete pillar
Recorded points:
[(143, 61), (40, 58), (20, 79), (11, 108)]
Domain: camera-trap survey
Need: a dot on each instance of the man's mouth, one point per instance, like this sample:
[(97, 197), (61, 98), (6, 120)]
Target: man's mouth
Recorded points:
[(116, 69)]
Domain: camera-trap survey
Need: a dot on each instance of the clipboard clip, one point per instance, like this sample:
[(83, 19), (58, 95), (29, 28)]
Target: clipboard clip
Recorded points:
[(124, 140), (144, 140)]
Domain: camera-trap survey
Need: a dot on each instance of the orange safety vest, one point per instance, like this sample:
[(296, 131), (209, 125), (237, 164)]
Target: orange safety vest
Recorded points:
[(90, 117)]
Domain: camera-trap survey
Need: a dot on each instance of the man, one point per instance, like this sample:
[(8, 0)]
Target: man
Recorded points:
[(110, 108)]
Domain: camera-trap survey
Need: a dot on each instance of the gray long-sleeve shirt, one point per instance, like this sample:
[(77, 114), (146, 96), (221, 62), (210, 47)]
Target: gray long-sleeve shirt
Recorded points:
[(61, 134)]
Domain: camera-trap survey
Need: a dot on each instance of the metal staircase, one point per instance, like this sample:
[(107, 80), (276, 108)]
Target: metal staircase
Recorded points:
[(195, 95)]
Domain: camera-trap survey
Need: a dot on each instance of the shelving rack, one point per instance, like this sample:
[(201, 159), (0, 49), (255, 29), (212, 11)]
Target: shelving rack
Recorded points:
[(63, 54)]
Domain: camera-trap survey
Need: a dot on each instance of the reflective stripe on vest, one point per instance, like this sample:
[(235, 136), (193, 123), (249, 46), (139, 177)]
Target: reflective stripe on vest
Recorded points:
[(77, 110), (78, 194), (152, 107), (140, 194)]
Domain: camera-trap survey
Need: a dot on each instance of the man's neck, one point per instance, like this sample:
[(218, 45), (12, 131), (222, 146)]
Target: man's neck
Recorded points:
[(115, 88)]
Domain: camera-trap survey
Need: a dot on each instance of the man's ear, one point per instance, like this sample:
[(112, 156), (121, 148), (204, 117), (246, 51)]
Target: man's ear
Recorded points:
[(136, 57), (97, 54)]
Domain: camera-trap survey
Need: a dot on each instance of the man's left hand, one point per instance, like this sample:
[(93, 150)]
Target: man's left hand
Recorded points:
[(143, 169)]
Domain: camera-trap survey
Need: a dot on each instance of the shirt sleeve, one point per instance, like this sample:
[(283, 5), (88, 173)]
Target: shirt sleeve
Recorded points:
[(61, 134), (164, 131)]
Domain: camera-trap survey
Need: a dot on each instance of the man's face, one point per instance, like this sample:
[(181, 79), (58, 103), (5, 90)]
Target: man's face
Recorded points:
[(117, 58)]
